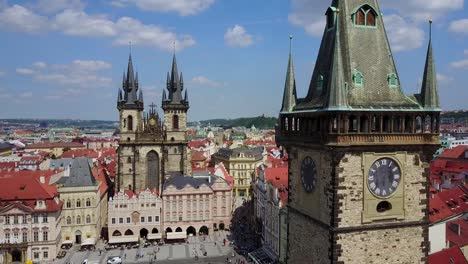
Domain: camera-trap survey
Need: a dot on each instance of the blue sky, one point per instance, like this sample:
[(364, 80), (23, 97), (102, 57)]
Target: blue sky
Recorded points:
[(65, 58)]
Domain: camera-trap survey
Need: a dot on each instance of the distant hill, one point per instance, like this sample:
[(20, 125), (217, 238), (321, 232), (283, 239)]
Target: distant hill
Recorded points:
[(260, 122)]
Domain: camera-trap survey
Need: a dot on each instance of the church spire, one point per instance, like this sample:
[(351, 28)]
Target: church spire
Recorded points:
[(131, 97), (337, 99), (429, 91), (289, 95), (174, 83)]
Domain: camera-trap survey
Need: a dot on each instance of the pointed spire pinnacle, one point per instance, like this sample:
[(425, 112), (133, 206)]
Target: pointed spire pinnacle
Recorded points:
[(119, 96), (337, 98), (140, 96), (186, 96), (164, 95), (289, 95), (181, 82), (429, 91)]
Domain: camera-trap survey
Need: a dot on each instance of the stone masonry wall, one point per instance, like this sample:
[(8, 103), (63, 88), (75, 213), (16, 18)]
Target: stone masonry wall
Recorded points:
[(307, 242), (352, 181), (402, 245)]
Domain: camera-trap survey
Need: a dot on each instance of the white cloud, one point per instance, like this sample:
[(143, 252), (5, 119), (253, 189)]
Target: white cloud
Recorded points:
[(132, 30), (39, 64), (465, 52), (25, 95), (4, 94), (25, 71), (78, 73), (444, 78), (237, 36), (461, 64), (423, 10), (202, 80), (402, 34), (183, 7), (459, 26), (20, 19), (76, 22), (310, 15), (52, 6)]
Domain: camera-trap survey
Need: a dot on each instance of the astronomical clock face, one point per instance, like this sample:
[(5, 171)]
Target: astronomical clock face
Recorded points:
[(383, 177), (308, 174), (152, 122)]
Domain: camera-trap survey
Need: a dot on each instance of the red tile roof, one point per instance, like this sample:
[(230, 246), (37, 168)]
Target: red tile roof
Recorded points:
[(457, 232), (8, 166), (99, 174), (27, 189), (279, 178), (451, 255), (198, 156), (79, 153), (455, 153), (448, 203)]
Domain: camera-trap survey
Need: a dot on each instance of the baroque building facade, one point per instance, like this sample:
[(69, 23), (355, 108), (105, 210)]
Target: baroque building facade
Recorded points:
[(359, 148), (151, 149), (241, 164), (30, 220)]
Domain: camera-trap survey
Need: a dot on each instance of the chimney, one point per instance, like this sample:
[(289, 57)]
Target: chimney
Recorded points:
[(42, 179)]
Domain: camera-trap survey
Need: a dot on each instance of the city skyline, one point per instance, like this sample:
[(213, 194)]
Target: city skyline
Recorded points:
[(65, 59)]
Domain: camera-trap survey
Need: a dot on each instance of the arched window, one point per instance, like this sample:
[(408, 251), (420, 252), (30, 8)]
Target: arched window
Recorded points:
[(78, 203), (286, 127), (88, 202), (88, 219), (175, 121), (365, 16), (78, 220), (129, 160), (392, 80), (130, 123), (358, 79), (69, 220), (129, 232), (68, 204), (116, 233), (320, 84)]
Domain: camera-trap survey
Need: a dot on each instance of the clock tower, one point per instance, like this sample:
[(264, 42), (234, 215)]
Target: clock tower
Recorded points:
[(359, 148)]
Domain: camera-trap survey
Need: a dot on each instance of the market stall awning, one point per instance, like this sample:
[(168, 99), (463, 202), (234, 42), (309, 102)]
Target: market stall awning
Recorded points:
[(123, 239), (89, 242), (176, 235), (154, 236)]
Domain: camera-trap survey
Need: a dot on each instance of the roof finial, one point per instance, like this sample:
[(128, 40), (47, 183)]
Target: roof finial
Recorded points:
[(430, 29), (174, 46), (130, 47), (290, 43)]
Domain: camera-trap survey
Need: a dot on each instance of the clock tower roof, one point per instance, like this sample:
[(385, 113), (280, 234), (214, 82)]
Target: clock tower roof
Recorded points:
[(355, 69)]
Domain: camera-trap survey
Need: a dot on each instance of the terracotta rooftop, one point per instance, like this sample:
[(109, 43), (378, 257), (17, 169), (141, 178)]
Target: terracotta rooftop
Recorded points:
[(451, 255), (59, 144)]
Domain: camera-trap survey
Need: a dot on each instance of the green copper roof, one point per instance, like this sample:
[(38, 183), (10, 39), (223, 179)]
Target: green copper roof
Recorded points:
[(336, 86), (348, 50), (429, 93), (289, 96)]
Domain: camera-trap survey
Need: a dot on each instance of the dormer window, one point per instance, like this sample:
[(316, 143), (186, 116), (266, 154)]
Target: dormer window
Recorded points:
[(320, 84), (358, 79), (331, 17), (392, 80), (365, 16)]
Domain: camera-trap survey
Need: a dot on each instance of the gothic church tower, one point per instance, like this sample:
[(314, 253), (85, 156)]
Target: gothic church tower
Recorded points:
[(359, 148), (150, 149)]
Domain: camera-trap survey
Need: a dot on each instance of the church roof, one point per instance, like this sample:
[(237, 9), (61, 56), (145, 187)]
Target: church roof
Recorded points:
[(355, 70)]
